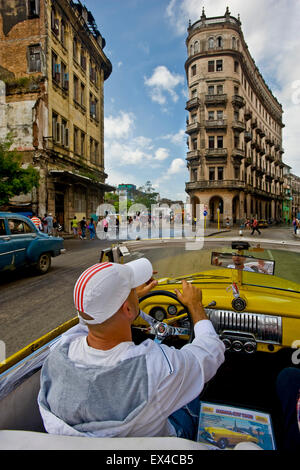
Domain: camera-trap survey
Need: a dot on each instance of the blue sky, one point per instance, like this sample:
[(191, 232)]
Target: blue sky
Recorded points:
[(145, 96)]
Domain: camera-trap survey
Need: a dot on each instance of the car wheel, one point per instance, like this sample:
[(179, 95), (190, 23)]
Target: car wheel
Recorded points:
[(222, 443), (44, 263)]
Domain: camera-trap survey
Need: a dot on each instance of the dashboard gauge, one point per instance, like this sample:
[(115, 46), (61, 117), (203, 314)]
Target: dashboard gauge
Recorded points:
[(172, 310), (159, 314)]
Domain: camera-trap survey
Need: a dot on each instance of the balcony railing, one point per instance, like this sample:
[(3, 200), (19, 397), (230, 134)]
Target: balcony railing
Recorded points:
[(238, 100), (193, 155), (215, 184), (238, 126), (192, 103), (211, 100), (216, 152), (248, 114), (248, 136), (192, 127), (216, 124)]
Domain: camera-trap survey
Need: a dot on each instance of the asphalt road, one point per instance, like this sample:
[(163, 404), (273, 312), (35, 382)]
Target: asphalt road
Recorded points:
[(31, 305)]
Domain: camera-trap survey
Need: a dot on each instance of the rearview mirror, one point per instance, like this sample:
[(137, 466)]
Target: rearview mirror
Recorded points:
[(242, 262)]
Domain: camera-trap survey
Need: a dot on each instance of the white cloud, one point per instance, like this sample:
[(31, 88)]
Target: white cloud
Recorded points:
[(176, 139), (177, 166), (163, 83), (120, 126), (125, 153), (161, 154)]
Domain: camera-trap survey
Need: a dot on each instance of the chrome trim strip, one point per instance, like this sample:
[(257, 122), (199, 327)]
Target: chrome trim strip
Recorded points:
[(14, 251)]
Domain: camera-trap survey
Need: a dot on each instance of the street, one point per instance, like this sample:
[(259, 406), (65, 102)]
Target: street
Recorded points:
[(32, 305)]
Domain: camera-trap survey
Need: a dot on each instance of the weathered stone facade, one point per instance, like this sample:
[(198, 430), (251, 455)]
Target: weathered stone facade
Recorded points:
[(53, 66), (234, 126)]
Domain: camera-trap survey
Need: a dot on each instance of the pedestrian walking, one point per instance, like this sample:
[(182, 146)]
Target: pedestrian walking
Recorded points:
[(45, 223), (255, 227), (55, 226), (82, 224), (105, 227), (295, 224), (49, 220), (92, 229), (37, 221), (74, 225)]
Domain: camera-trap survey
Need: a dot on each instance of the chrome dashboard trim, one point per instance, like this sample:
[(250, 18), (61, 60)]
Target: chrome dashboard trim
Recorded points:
[(264, 328)]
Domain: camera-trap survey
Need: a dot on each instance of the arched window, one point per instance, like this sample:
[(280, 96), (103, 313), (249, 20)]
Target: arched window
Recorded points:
[(219, 41), (211, 43), (196, 47), (191, 49), (233, 43)]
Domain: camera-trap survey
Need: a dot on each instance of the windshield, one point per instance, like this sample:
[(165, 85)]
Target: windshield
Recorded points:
[(177, 262)]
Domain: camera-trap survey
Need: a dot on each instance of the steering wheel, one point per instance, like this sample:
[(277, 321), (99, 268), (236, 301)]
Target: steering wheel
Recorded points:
[(162, 330)]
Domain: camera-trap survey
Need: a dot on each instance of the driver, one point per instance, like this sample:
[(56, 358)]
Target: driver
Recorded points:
[(239, 263), (97, 382)]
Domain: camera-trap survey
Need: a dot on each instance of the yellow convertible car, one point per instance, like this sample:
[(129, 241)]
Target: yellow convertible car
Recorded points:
[(223, 437), (252, 297)]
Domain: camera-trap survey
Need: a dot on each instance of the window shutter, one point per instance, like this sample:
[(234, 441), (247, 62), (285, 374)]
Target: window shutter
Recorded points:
[(66, 137), (66, 81), (57, 132)]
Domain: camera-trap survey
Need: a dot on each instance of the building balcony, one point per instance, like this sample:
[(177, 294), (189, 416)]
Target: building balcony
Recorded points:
[(238, 101), (214, 124), (254, 123), (238, 155), (255, 145), (215, 184), (216, 152), (192, 103), (238, 126), (216, 100), (253, 164), (193, 155), (192, 127), (262, 150), (248, 114), (248, 136)]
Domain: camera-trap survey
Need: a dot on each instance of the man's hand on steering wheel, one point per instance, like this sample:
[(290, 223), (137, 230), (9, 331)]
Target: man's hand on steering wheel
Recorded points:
[(191, 296), (147, 287)]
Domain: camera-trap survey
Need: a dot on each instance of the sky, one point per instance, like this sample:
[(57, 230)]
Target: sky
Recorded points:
[(146, 94)]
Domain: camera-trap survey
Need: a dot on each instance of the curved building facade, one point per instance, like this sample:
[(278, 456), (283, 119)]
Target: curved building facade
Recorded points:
[(234, 126)]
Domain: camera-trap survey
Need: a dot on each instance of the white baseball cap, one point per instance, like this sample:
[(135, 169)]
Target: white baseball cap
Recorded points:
[(103, 288)]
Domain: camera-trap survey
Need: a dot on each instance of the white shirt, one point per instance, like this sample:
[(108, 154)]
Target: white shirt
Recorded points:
[(175, 377)]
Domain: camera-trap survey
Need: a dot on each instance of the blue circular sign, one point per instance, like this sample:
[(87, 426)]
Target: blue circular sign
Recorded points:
[(205, 213)]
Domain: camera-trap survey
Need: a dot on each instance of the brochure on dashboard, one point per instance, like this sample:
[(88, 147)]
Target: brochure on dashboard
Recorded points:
[(225, 427)]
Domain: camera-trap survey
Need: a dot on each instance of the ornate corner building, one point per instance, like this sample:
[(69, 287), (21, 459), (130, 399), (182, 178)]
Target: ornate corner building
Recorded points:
[(53, 66), (234, 126)]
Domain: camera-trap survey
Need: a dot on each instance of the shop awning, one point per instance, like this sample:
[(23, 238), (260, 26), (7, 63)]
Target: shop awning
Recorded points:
[(66, 175)]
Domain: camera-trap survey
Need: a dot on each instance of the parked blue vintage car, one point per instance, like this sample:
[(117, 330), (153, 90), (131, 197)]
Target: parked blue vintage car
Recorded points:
[(22, 244)]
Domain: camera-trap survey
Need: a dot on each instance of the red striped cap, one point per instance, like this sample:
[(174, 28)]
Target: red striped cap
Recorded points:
[(103, 288)]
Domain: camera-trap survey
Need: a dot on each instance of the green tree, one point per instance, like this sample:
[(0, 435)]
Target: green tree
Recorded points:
[(14, 180), (148, 197)]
